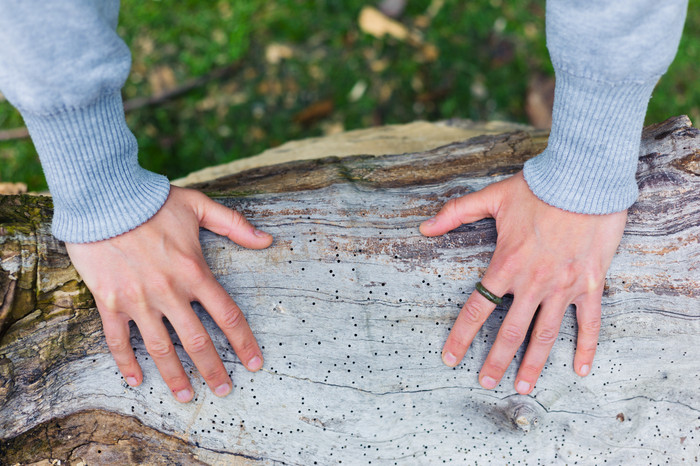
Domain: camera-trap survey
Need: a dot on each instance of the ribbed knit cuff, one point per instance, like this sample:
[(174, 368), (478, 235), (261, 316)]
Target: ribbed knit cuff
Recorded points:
[(590, 163), (90, 161)]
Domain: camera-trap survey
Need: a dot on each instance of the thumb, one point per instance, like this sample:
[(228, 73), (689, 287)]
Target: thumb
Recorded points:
[(458, 211), (227, 222)]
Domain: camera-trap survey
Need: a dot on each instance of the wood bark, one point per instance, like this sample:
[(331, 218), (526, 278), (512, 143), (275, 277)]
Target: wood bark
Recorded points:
[(351, 306)]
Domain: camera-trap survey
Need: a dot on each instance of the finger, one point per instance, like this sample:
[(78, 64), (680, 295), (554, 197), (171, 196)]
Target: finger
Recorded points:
[(227, 222), (588, 316), (544, 334), (461, 210), (470, 319), (161, 349), (510, 336), (118, 338), (230, 319), (199, 346)]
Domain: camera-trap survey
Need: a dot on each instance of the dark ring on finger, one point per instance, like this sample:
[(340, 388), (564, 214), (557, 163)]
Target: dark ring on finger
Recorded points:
[(487, 294)]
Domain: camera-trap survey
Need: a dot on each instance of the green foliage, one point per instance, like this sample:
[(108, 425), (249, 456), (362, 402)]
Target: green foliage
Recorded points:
[(483, 54)]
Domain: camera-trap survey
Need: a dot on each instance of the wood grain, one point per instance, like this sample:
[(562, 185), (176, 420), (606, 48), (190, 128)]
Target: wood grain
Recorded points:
[(351, 306)]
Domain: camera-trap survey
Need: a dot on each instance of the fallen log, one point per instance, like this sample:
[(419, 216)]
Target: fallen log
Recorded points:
[(351, 306)]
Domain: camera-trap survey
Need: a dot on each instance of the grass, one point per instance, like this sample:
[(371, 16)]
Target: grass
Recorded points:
[(335, 76)]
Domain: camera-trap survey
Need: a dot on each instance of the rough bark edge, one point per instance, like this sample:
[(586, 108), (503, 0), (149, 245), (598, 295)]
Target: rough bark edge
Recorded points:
[(102, 437)]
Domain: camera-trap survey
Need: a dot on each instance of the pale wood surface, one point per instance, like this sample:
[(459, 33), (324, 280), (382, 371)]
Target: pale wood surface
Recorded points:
[(418, 136), (352, 305)]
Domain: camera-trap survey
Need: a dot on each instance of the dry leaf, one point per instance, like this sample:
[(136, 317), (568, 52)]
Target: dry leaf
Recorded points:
[(145, 44), (376, 23), (429, 53), (330, 128), (357, 91), (379, 65), (421, 21), (161, 79), (275, 53), (314, 112), (13, 188), (257, 133)]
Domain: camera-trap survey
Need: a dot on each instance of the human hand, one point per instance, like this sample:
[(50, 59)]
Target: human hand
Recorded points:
[(545, 257), (156, 271)]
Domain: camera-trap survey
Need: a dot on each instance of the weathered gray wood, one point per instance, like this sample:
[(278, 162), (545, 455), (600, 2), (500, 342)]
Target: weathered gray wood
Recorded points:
[(351, 305)]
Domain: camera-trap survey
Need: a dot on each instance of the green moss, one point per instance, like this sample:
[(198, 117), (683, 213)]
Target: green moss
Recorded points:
[(233, 193), (22, 210), (80, 296)]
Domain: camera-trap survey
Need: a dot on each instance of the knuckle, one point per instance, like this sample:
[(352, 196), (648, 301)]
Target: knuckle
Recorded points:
[(189, 263), (135, 292), (590, 326), (545, 336), (232, 318), (214, 374), (494, 367), (176, 382), (118, 345), (512, 334), (248, 347), (450, 208), (567, 277), (198, 276), (237, 219), (198, 343), (540, 274), (571, 275), (472, 313), (507, 265), (160, 348), (109, 299), (160, 285), (459, 340), (530, 371)]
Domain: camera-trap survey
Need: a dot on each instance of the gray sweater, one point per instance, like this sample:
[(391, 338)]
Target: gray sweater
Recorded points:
[(63, 66)]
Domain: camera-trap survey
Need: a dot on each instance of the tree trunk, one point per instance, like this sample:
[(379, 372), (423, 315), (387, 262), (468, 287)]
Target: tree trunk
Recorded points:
[(351, 306)]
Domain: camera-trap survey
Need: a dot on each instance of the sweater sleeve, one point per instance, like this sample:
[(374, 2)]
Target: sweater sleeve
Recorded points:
[(63, 66), (607, 56)]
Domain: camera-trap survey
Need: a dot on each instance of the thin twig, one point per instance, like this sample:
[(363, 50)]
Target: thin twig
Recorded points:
[(187, 86), (14, 133), (141, 102)]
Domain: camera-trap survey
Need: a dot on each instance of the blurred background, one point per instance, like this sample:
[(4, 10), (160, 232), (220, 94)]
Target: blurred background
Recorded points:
[(216, 81)]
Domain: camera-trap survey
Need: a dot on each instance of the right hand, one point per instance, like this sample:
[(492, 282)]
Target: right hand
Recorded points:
[(547, 258), (155, 271)]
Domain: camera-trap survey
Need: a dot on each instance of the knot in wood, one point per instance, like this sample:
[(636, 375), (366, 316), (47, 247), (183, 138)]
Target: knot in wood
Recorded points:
[(524, 416)]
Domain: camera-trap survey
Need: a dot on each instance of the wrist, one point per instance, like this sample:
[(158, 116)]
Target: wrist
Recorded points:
[(90, 161), (590, 162)]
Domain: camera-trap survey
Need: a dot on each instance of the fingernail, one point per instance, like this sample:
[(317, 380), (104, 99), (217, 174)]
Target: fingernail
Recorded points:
[(585, 369), (255, 363), (522, 387), (183, 396), (259, 234), (132, 381), (222, 390), (449, 359), (430, 222), (488, 382)]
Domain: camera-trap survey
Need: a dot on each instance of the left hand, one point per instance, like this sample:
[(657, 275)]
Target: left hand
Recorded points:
[(154, 272), (547, 258)]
